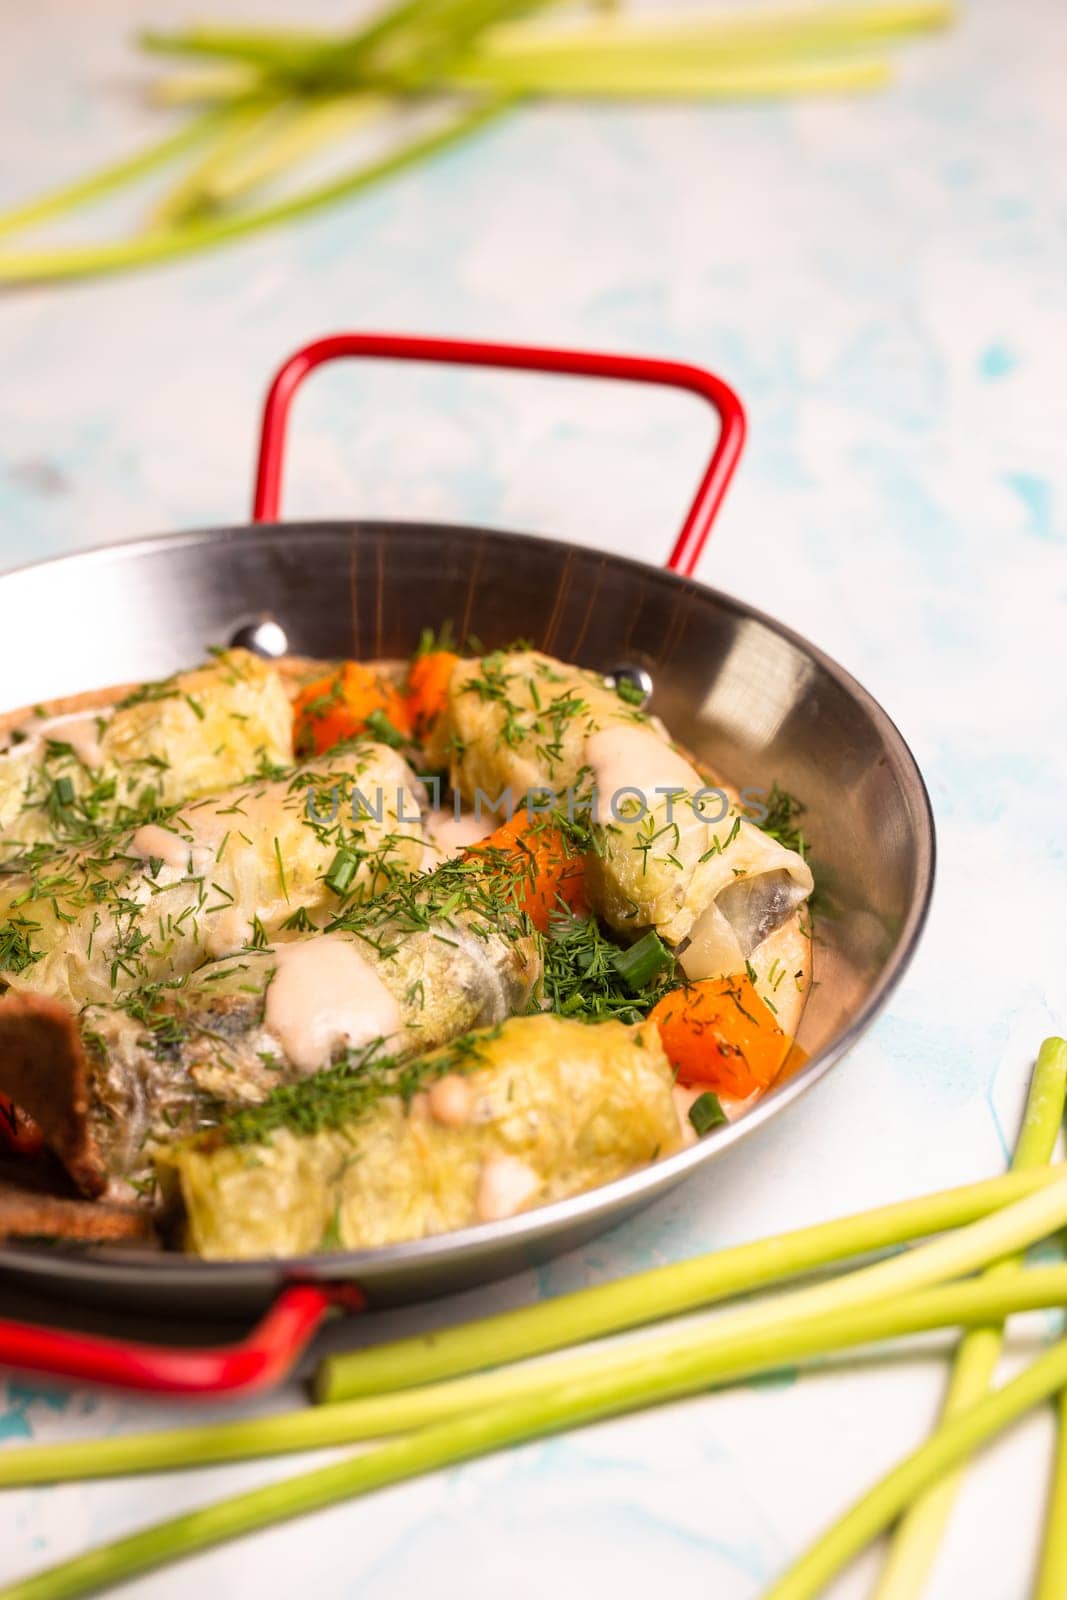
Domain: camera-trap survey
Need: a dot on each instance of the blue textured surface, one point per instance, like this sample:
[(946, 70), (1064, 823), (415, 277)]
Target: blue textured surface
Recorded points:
[(884, 281)]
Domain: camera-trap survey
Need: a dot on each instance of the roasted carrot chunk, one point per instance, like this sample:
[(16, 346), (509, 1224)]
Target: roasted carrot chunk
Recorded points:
[(428, 680), (343, 705), (720, 1034), (549, 872)]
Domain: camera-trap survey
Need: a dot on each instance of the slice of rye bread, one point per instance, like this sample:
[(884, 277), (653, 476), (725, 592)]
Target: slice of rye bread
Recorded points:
[(28, 1212), (43, 1070), (39, 1202)]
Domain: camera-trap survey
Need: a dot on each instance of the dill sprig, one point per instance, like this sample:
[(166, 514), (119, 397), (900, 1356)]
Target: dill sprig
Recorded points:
[(341, 1094), (267, 101), (780, 823), (484, 890), (16, 945), (585, 975), (102, 897), (70, 799)]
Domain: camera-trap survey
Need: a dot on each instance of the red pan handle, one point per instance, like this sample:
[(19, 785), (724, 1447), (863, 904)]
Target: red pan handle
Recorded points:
[(257, 1361), (522, 358)]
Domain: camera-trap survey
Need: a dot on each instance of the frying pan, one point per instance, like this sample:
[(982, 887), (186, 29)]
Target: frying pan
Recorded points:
[(753, 699)]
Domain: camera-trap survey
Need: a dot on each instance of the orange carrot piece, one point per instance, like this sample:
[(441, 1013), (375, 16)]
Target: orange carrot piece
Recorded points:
[(718, 1033), (337, 707), (553, 874), (428, 679)]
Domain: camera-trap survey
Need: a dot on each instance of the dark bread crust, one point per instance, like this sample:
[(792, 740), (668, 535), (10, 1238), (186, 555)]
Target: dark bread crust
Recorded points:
[(44, 1071), (27, 1213)]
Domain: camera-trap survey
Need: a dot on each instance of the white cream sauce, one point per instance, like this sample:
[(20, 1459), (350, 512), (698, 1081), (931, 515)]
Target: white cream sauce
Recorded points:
[(624, 758), (205, 830), (80, 730), (325, 995), (233, 815), (83, 736), (155, 843), (504, 1187), (448, 835)]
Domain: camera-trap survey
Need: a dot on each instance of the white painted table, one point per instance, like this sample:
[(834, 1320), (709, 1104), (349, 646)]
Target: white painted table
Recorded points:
[(884, 281)]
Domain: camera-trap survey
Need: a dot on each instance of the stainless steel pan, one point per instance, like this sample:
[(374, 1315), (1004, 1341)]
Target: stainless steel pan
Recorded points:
[(758, 702)]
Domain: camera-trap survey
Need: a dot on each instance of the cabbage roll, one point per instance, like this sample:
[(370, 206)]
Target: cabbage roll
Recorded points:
[(496, 1123), (674, 856), (64, 778), (242, 1027), (430, 962), (216, 876), (519, 720), (667, 853)]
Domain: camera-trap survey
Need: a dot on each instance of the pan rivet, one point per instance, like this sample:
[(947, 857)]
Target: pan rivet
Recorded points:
[(262, 635), (638, 678)]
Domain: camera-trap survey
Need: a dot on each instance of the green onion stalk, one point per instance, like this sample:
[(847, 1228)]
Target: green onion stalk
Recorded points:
[(272, 98), (384, 1374), (402, 1411), (466, 1437), (666, 1364), (627, 79), (169, 243), (274, 136), (545, 45), (664, 1291), (411, 32), (915, 1542), (642, 962), (598, 1390), (111, 178), (953, 1443), (480, 1432), (715, 34), (1052, 1573)]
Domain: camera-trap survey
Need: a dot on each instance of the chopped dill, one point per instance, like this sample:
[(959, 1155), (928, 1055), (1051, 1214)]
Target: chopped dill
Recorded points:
[(16, 949), (343, 1093), (586, 975), (780, 823)]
